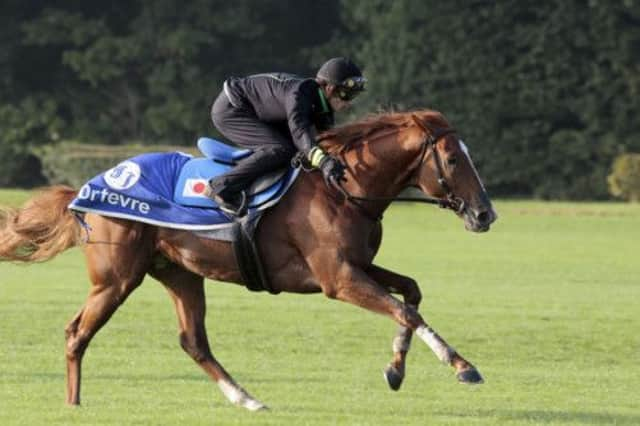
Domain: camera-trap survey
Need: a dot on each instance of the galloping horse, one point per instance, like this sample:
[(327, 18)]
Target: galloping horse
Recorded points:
[(318, 238)]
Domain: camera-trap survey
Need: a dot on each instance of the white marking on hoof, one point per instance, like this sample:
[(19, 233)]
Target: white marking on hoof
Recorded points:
[(442, 351), (239, 396), (254, 405)]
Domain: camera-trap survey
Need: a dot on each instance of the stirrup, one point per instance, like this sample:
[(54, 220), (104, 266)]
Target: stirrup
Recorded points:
[(231, 209)]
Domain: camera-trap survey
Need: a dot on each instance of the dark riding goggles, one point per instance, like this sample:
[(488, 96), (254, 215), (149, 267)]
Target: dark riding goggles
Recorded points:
[(351, 87)]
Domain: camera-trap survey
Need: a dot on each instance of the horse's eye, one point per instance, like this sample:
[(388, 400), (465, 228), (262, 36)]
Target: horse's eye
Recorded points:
[(451, 160)]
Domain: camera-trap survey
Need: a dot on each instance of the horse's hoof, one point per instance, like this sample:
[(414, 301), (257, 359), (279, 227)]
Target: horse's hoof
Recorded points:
[(470, 377), (393, 377)]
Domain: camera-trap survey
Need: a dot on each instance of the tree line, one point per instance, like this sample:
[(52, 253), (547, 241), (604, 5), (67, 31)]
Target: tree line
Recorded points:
[(544, 93)]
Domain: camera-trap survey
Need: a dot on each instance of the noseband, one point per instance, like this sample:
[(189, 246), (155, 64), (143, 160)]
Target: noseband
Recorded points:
[(451, 201)]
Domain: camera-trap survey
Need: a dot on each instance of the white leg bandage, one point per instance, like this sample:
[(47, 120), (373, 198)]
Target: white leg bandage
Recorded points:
[(231, 391), (238, 396), (442, 351), (400, 343)]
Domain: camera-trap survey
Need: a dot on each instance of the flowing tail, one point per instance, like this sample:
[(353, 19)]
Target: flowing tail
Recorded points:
[(40, 229)]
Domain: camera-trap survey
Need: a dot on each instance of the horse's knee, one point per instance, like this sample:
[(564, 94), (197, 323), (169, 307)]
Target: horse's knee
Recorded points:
[(412, 294), (415, 295), (193, 346)]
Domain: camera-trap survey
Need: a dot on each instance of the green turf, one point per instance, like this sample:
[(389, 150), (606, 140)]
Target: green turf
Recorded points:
[(546, 305), (14, 197)]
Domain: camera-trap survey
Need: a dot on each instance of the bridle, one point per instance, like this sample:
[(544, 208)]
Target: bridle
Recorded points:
[(450, 201)]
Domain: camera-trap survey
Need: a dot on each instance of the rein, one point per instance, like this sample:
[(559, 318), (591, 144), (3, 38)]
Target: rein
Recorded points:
[(451, 201)]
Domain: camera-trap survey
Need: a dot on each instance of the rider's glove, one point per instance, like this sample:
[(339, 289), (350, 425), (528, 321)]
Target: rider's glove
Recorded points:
[(332, 169)]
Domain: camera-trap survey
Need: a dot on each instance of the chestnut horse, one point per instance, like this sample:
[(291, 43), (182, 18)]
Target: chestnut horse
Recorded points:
[(317, 238)]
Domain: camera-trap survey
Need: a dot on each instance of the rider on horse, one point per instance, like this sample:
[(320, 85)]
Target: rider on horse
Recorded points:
[(277, 115)]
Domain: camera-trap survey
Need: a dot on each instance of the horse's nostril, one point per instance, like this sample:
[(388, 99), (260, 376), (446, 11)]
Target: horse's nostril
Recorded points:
[(483, 217)]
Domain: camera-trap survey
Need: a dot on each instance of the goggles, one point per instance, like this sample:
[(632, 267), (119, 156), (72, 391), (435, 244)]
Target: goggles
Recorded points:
[(351, 87)]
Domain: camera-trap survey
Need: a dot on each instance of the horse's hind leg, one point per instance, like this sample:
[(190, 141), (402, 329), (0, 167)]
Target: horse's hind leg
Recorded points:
[(114, 275), (103, 300), (187, 291), (396, 283)]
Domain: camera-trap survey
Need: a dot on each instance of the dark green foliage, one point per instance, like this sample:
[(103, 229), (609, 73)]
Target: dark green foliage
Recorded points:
[(546, 94), (149, 70), (22, 126), (624, 180)]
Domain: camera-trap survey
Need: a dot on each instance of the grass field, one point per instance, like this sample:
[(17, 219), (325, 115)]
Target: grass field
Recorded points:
[(546, 305)]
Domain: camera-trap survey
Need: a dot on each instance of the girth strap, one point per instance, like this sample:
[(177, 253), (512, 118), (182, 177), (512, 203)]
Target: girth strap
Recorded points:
[(248, 256)]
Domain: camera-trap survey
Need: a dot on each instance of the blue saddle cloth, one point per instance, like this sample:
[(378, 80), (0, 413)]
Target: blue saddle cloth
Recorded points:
[(167, 189)]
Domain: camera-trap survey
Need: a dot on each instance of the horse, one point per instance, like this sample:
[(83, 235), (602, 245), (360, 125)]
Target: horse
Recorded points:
[(318, 238)]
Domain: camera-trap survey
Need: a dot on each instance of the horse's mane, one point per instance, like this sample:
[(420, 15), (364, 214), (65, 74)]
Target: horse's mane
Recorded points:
[(346, 137)]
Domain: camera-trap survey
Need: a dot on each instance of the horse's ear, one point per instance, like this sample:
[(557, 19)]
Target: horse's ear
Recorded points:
[(421, 124)]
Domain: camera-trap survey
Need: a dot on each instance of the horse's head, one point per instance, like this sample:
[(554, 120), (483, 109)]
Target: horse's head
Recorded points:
[(446, 172), (386, 153)]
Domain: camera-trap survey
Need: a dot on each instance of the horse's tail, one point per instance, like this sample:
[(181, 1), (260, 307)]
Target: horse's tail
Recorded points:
[(40, 229)]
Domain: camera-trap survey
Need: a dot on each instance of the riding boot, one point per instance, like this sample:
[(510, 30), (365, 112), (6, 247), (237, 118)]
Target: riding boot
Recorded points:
[(228, 189)]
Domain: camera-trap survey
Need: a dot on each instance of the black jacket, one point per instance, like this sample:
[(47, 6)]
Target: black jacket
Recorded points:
[(284, 98)]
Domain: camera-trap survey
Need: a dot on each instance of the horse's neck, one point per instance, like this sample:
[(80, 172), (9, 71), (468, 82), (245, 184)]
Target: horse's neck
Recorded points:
[(381, 166)]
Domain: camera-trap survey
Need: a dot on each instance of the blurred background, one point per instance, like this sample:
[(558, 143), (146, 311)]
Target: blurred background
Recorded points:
[(545, 94)]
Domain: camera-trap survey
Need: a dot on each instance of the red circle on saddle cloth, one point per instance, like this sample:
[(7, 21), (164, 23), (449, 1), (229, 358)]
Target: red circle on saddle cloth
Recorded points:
[(198, 187)]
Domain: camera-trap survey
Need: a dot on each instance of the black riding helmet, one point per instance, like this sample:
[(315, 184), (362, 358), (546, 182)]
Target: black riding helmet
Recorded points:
[(345, 75)]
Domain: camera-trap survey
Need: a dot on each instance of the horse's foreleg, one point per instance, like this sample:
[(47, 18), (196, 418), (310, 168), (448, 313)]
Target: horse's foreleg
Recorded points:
[(396, 283), (187, 291), (353, 285)]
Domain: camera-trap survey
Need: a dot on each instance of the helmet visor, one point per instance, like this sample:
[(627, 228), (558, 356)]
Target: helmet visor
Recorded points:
[(351, 87)]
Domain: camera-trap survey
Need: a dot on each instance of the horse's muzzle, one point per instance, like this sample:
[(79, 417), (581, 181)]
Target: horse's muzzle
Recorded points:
[(479, 219)]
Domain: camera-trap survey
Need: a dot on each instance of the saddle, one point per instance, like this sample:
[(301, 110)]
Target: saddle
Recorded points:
[(195, 174)]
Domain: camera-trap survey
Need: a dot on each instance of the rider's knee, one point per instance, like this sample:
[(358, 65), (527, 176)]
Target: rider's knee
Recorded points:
[(279, 152)]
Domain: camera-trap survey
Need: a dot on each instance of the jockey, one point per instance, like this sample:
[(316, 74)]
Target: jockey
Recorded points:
[(277, 115)]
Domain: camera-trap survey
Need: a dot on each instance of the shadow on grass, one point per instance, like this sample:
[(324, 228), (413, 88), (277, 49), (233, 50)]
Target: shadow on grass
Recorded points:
[(542, 416)]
